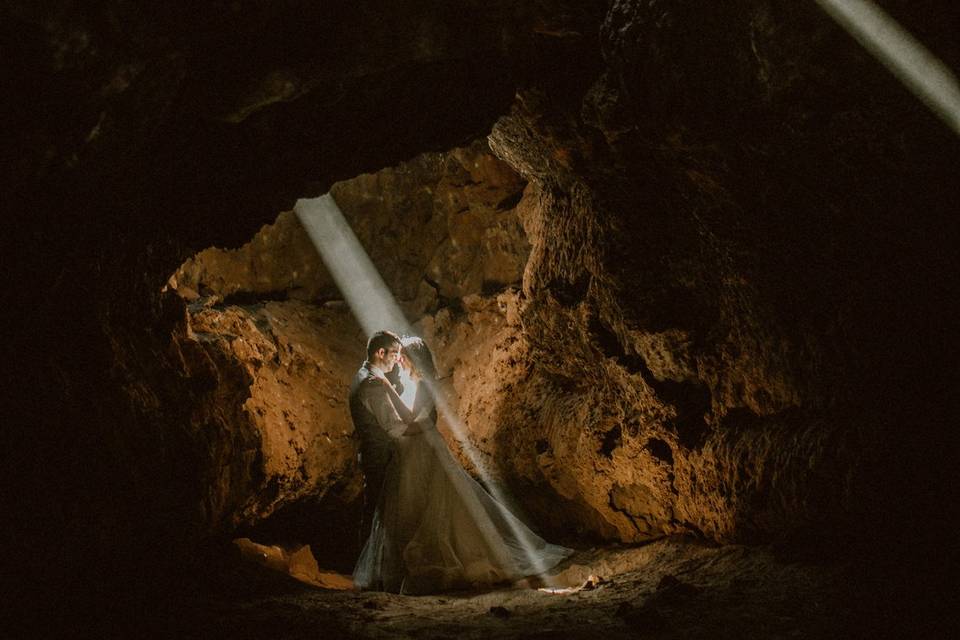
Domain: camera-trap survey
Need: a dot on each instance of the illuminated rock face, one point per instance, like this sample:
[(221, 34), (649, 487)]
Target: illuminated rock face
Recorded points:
[(280, 370), (609, 437), (438, 227), (442, 229)]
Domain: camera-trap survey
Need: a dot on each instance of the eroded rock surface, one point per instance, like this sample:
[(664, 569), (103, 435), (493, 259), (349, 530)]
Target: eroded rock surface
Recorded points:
[(442, 229), (438, 228), (669, 360), (289, 364)]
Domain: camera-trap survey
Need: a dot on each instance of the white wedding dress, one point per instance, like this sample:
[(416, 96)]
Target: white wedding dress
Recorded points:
[(435, 528)]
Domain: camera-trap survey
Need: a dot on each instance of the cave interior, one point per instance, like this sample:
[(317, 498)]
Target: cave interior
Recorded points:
[(688, 272)]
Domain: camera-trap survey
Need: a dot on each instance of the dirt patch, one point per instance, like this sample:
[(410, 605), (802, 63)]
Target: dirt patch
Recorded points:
[(667, 589)]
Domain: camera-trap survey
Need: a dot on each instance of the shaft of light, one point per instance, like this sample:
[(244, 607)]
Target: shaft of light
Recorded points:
[(460, 433), (916, 67), (350, 266), (375, 308)]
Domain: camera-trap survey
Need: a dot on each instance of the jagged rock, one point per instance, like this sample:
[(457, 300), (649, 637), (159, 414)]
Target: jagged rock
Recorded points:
[(288, 365), (440, 226), (445, 219)]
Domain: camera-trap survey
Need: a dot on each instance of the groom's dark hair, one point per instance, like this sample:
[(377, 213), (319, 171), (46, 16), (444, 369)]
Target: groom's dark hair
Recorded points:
[(381, 340)]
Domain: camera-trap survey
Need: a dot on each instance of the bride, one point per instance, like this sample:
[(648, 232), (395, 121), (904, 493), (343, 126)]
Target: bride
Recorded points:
[(435, 527)]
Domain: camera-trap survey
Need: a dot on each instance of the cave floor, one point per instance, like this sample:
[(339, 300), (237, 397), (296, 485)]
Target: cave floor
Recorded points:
[(665, 589)]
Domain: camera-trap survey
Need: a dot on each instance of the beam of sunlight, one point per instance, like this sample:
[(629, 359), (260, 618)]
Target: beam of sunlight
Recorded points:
[(351, 268), (459, 431), (916, 67), (375, 308)]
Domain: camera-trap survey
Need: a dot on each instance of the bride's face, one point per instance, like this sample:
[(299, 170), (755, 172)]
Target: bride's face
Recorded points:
[(406, 364)]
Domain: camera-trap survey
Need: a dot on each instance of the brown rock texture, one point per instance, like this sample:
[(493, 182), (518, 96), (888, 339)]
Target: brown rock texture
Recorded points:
[(438, 227), (673, 376), (441, 228), (290, 365), (280, 261)]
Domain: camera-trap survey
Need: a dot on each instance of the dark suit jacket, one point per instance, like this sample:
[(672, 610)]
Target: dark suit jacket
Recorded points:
[(375, 421)]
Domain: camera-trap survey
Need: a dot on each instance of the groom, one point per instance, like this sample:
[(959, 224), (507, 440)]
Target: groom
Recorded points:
[(375, 419)]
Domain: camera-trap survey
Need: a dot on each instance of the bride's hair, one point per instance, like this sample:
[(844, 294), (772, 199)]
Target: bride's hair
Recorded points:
[(421, 360)]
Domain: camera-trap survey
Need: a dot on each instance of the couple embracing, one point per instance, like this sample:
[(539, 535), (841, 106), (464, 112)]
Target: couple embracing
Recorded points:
[(432, 526)]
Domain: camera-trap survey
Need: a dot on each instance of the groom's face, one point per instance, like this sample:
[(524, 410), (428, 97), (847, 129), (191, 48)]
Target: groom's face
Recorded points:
[(388, 357)]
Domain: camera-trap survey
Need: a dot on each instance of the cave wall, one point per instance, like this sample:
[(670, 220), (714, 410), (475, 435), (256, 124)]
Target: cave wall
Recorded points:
[(718, 300), (278, 372), (138, 136), (439, 227), (268, 335), (742, 251)]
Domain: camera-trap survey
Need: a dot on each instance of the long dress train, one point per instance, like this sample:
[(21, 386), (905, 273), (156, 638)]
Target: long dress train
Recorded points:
[(435, 528)]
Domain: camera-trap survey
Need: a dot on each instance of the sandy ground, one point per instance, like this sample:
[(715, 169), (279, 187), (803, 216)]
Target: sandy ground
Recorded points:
[(667, 589)]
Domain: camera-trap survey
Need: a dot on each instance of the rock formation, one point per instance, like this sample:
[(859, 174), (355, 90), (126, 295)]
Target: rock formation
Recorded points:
[(266, 326)]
